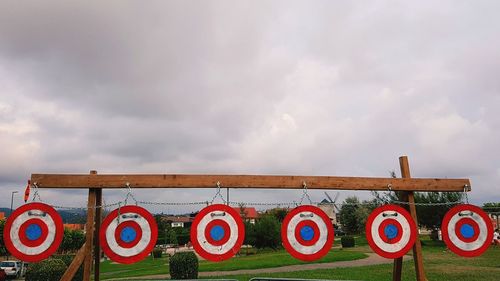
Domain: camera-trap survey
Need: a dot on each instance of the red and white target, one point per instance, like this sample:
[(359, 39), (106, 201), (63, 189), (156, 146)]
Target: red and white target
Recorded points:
[(307, 233), (33, 232), (467, 230), (217, 232), (391, 231), (128, 234)]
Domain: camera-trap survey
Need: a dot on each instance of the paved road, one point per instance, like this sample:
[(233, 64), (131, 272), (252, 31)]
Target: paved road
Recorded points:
[(372, 259)]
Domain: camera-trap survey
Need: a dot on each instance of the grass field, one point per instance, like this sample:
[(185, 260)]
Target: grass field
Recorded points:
[(262, 260), (440, 264)]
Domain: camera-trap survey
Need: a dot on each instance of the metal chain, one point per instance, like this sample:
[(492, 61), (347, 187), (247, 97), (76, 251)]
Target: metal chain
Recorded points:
[(218, 194), (466, 196), (304, 194), (35, 193)]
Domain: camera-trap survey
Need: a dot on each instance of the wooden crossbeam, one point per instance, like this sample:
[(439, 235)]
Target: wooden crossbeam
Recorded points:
[(247, 181)]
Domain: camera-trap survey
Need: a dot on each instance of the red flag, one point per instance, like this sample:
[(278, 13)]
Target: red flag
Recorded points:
[(27, 192)]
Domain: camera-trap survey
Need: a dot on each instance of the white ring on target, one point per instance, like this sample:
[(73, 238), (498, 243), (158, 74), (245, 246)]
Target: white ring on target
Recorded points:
[(202, 239), (405, 228), (468, 246), (141, 245), (31, 251), (323, 234)]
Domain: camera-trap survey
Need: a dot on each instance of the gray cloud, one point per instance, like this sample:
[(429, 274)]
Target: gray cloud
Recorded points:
[(322, 88)]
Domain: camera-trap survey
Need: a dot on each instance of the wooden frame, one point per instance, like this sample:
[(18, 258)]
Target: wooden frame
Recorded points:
[(405, 186)]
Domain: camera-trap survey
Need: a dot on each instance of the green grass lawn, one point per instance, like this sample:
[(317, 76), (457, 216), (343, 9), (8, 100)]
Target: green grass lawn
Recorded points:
[(440, 264), (266, 259)]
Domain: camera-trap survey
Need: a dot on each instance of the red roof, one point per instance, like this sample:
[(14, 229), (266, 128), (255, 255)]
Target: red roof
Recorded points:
[(249, 213), (177, 218), (74, 226)]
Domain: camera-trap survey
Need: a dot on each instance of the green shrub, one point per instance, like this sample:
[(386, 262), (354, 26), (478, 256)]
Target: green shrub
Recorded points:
[(267, 233), (347, 241), (184, 265), (157, 252), (47, 270)]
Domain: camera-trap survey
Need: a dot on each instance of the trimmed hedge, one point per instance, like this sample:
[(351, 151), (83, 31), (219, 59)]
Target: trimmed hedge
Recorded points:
[(347, 241), (184, 265), (47, 270)]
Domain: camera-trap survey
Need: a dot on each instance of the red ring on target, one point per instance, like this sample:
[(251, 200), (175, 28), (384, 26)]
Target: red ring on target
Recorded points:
[(121, 228), (384, 225), (217, 232), (128, 234), (390, 231), (217, 241), (33, 232), (467, 222), (307, 233), (467, 230), (311, 227), (24, 229)]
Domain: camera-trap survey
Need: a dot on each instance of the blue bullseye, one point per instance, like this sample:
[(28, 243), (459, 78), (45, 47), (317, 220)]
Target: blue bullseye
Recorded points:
[(128, 234), (467, 231), (33, 232), (391, 231), (307, 233), (217, 232)]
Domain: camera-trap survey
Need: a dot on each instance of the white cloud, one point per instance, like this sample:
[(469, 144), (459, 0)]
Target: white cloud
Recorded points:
[(266, 87)]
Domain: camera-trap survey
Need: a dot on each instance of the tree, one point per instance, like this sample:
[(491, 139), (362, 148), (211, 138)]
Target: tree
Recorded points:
[(172, 238), (362, 213), (491, 207), (3, 249), (429, 216), (249, 234), (353, 214), (348, 215), (279, 213), (72, 240), (267, 232)]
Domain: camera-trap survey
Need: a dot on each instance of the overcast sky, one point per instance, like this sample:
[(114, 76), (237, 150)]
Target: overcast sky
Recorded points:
[(253, 87)]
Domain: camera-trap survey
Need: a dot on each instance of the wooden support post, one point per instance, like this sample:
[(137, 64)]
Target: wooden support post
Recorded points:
[(89, 228), (408, 196), (75, 264), (97, 246)]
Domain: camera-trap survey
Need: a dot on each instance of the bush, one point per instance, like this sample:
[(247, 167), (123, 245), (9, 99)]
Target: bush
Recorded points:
[(157, 252), (73, 240), (347, 241), (51, 269), (67, 259), (267, 233), (184, 265)]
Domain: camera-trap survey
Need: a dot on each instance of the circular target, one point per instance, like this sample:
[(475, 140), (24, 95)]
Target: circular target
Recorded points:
[(467, 230), (217, 232), (307, 233), (391, 231), (33, 232), (128, 234)]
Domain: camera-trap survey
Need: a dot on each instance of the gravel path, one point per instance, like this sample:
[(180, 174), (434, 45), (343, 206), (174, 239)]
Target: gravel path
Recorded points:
[(372, 259)]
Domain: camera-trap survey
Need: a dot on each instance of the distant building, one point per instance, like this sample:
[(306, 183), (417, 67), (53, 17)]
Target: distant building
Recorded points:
[(329, 209), (178, 221), (2, 216), (247, 214)]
